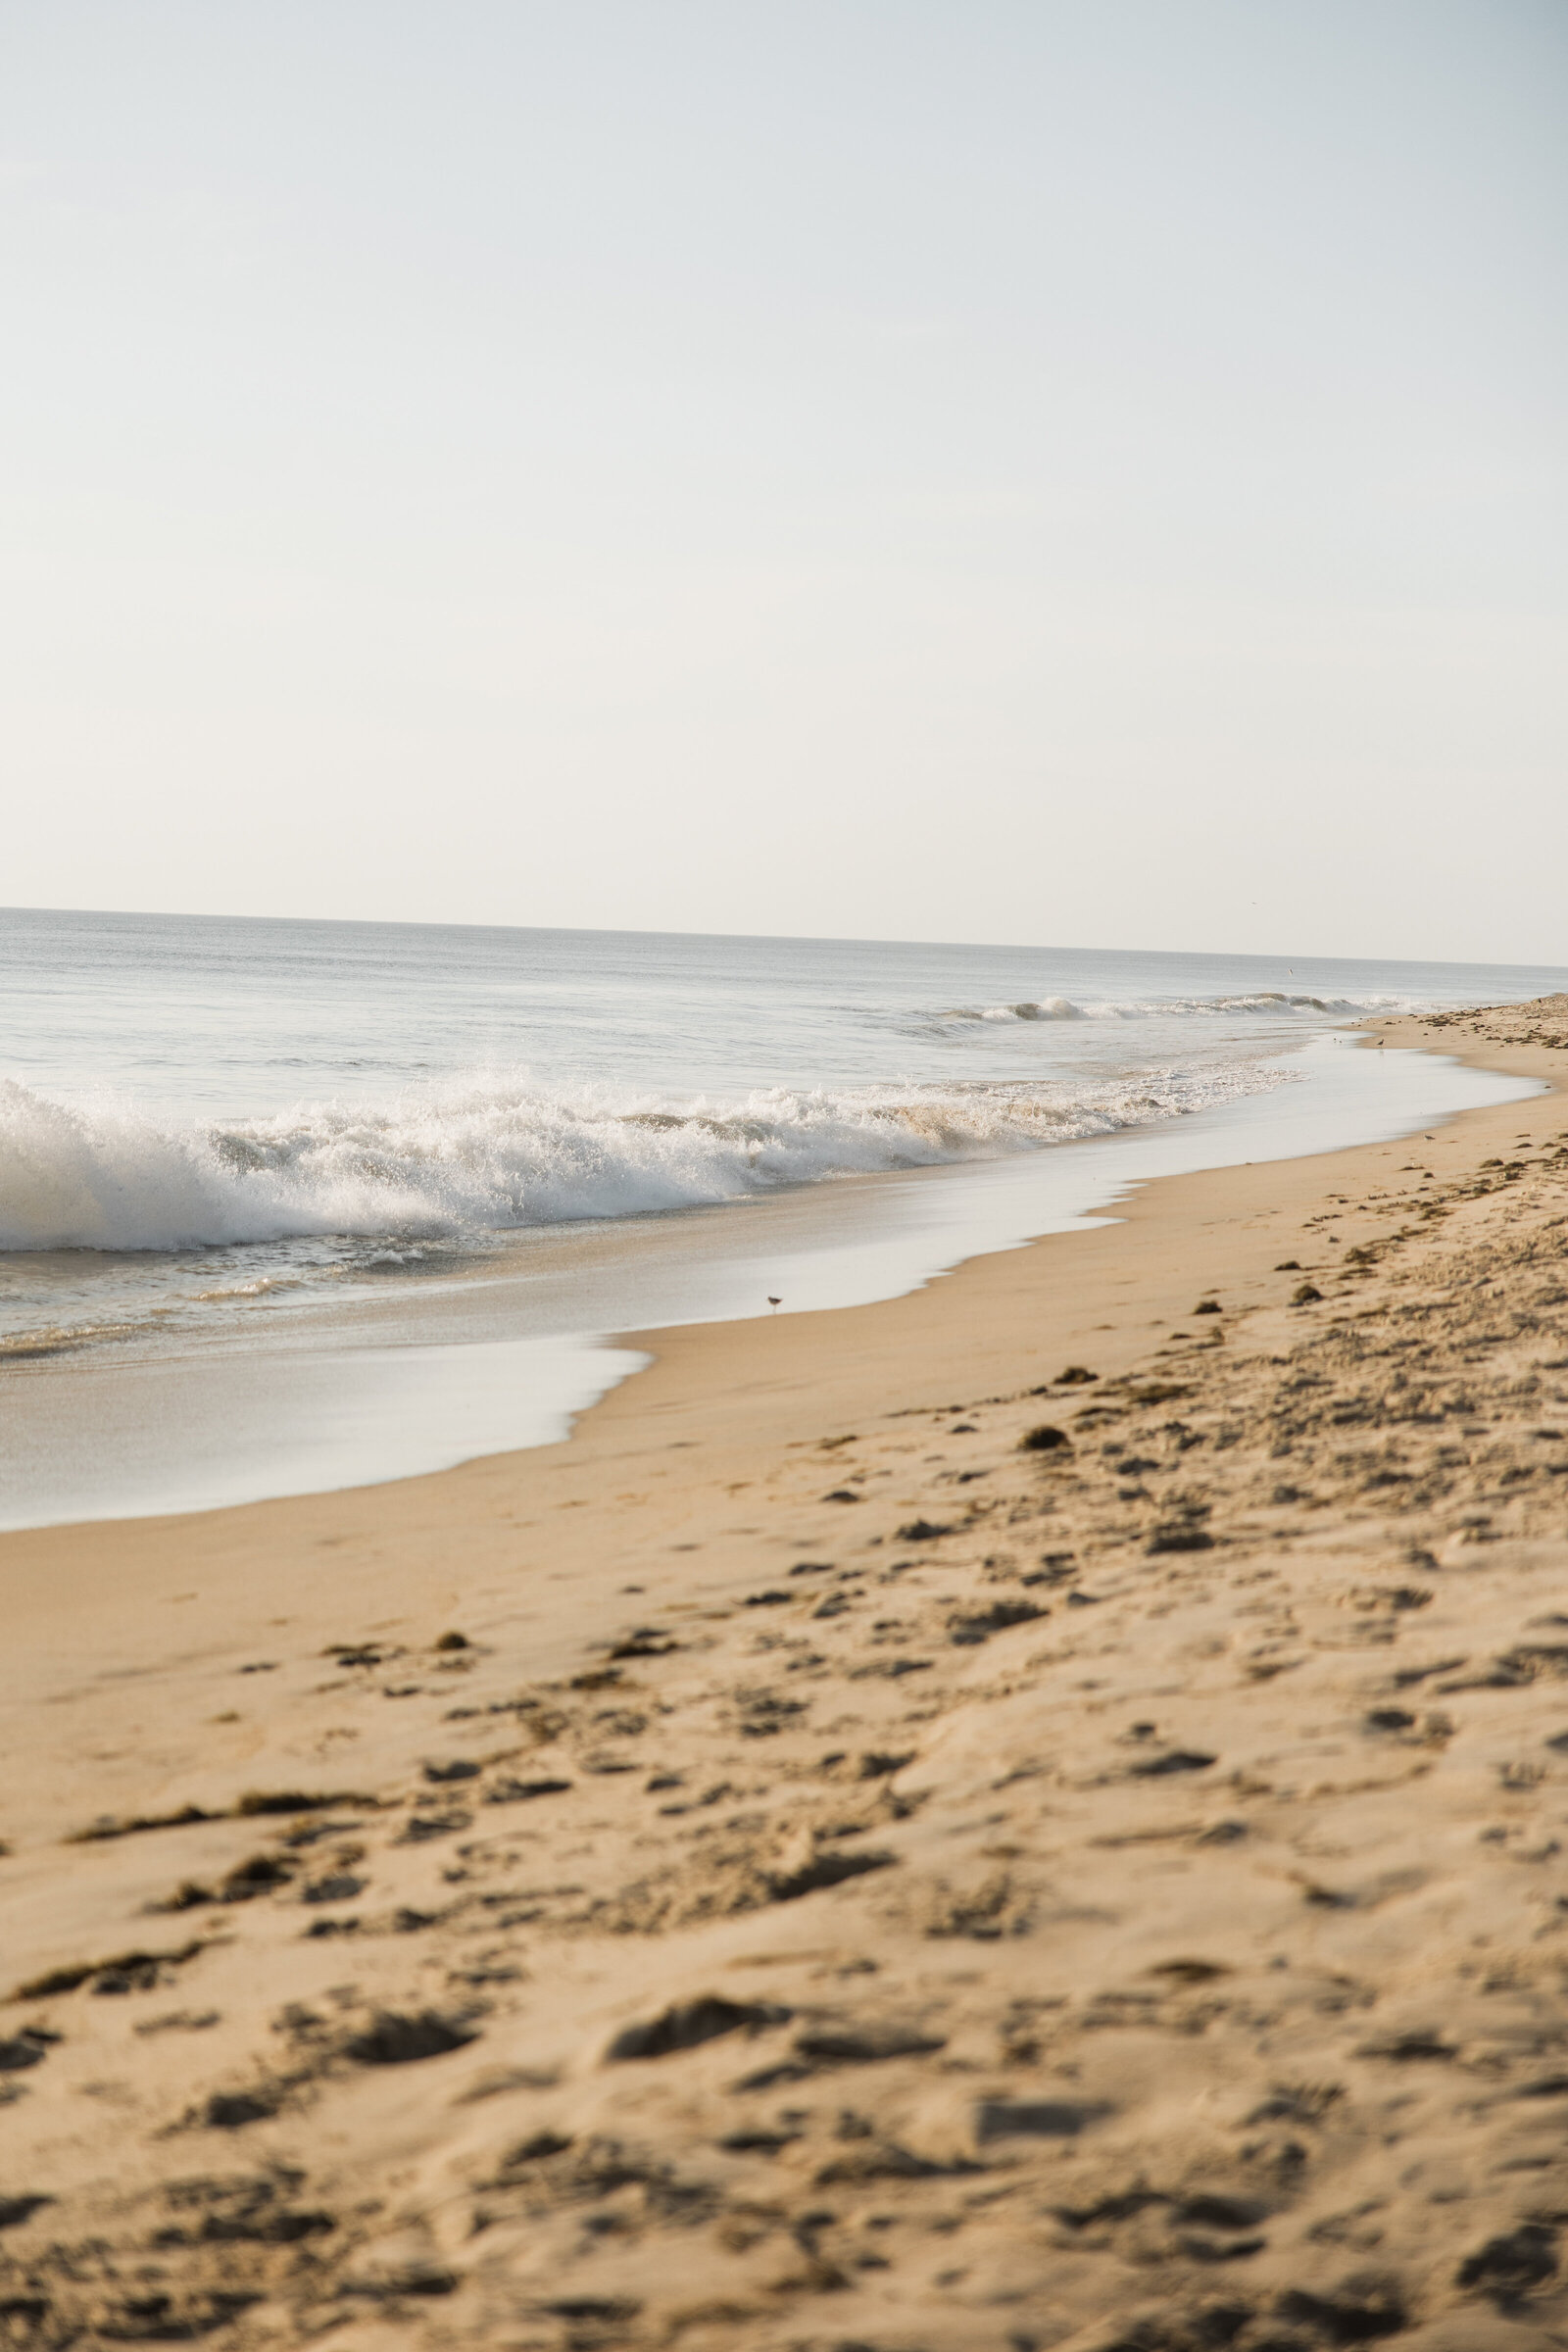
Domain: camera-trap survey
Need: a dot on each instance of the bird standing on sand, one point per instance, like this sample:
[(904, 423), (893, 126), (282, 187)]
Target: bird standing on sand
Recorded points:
[(775, 1304)]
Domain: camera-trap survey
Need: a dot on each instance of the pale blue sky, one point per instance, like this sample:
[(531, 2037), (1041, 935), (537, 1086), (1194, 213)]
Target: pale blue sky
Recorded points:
[(1084, 472)]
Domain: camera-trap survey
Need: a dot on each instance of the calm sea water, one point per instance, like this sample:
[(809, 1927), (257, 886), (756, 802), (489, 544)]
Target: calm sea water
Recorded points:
[(216, 1131)]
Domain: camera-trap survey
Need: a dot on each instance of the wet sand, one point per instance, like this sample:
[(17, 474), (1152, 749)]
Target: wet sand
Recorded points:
[(813, 1864)]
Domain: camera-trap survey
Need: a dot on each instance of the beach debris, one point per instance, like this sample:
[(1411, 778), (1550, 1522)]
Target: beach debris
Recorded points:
[(1418, 2042), (233, 2110), (257, 1875), (109, 1826), (764, 1712), (967, 1632), (1036, 2119), (420, 1828), (872, 2043), (393, 2039), (687, 2025), (27, 2048), (259, 1802), (338, 1887), (1045, 1439), (1179, 1535), (126, 1971), (1510, 2265), (510, 1791), (828, 1866), (14, 2210), (1360, 2311)]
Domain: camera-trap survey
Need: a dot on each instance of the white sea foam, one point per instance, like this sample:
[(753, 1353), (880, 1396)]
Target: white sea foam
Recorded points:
[(1263, 1001), (500, 1153), (1049, 1009)]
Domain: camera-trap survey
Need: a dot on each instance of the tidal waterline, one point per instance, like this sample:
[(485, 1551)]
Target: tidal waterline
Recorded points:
[(398, 1376)]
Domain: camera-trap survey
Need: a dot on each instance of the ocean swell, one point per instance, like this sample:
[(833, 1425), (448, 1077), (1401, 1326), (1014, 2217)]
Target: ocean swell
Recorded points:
[(1264, 1001), (496, 1153)]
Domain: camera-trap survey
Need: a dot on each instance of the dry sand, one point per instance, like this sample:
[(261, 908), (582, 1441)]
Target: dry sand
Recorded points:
[(860, 1883)]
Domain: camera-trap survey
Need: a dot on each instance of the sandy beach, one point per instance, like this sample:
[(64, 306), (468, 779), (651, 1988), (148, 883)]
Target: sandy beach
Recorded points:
[(1030, 1815)]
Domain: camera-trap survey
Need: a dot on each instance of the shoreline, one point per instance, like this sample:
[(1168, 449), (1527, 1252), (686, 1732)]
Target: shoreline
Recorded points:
[(406, 1383), (186, 1662), (978, 1285)]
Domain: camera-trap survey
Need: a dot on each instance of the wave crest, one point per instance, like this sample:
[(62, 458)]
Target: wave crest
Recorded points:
[(498, 1153), (1142, 1009)]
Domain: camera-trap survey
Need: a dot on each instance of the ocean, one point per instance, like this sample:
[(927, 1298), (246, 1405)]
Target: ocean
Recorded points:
[(274, 1194)]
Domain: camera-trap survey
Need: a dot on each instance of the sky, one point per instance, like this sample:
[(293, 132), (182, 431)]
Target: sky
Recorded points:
[(1062, 471)]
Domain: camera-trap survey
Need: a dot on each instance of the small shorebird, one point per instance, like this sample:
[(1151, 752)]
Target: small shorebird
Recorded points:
[(775, 1304)]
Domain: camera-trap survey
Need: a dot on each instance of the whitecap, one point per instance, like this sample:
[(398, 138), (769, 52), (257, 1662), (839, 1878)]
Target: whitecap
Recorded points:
[(502, 1153)]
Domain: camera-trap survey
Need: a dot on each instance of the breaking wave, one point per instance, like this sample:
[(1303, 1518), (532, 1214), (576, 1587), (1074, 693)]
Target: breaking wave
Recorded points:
[(1142, 1009), (496, 1153)]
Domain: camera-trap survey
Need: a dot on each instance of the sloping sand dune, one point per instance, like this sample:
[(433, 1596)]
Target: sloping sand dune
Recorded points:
[(886, 1843)]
